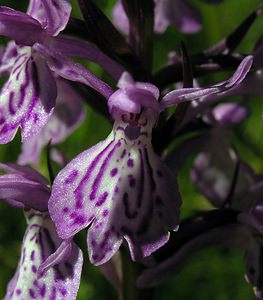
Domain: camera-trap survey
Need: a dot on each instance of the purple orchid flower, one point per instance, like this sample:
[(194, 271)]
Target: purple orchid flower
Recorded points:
[(166, 12), (67, 115), (113, 185), (28, 97), (49, 268)]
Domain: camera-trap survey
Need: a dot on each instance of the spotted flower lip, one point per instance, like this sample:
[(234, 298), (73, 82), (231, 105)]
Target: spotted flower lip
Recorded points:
[(29, 96), (67, 115), (57, 282), (113, 186), (49, 267)]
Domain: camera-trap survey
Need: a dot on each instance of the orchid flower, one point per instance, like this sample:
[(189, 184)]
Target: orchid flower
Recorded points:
[(49, 268), (28, 98), (166, 12), (113, 185)]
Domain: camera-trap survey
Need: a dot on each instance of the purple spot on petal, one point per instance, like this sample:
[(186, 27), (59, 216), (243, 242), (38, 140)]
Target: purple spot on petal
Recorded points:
[(43, 290), (32, 293), (93, 243), (91, 218), (130, 163), (34, 269), (116, 190), (63, 291), (18, 291), (32, 255), (72, 176), (113, 172), (132, 180), (102, 199), (95, 256), (123, 153), (79, 204), (35, 118), (10, 103), (80, 220), (105, 213), (65, 209)]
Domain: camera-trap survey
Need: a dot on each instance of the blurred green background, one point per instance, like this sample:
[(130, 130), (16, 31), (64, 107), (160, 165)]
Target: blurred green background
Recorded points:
[(216, 274)]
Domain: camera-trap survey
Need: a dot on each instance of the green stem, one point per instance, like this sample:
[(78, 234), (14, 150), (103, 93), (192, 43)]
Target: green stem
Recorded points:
[(130, 272)]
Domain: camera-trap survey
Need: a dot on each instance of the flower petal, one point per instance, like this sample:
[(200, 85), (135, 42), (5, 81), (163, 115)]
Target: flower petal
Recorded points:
[(60, 281), (19, 26), (52, 14), (73, 71), (114, 185), (25, 171), (67, 115), (30, 193), (71, 47), (28, 97), (207, 94), (8, 58)]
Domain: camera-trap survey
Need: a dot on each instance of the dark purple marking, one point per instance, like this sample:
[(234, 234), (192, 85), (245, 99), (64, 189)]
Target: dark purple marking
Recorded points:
[(80, 220), (150, 170), (99, 176), (104, 242), (53, 294), (32, 293), (18, 291), (65, 209), (11, 104), (113, 172), (48, 241), (130, 163), (116, 189), (42, 290), (73, 215), (98, 225), (102, 199), (91, 218), (2, 120), (79, 190), (42, 253), (23, 255), (129, 214), (72, 176), (95, 257), (123, 154), (132, 180), (34, 269), (35, 118), (32, 255), (93, 243), (35, 283), (140, 194), (63, 291), (119, 128), (79, 204), (105, 213)]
